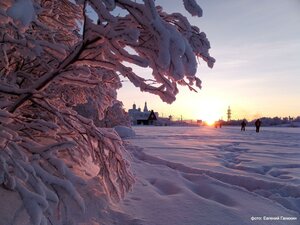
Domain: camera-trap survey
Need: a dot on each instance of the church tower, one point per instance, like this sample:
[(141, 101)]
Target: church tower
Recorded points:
[(145, 107)]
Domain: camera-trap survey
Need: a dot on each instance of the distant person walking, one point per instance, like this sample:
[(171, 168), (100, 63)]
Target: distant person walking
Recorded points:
[(257, 125), (218, 124), (243, 125)]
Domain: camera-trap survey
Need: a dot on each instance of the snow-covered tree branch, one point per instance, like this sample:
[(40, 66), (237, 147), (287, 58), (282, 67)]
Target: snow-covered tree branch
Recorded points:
[(57, 56)]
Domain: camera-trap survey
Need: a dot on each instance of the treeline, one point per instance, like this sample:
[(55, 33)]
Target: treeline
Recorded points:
[(268, 121)]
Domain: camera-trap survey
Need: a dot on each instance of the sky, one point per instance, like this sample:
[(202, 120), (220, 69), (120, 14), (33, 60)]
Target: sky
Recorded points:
[(256, 44)]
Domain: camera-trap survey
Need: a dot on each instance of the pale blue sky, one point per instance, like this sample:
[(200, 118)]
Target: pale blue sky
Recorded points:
[(257, 47)]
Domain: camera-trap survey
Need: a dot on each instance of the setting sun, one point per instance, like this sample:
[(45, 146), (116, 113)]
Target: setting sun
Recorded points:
[(210, 122), (210, 119), (214, 111)]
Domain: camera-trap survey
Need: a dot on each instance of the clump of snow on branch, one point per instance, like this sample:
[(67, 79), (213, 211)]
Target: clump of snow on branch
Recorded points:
[(192, 7), (124, 131), (22, 11), (59, 75)]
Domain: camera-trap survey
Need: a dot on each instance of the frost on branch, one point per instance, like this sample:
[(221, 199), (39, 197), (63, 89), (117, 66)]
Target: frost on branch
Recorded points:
[(60, 69)]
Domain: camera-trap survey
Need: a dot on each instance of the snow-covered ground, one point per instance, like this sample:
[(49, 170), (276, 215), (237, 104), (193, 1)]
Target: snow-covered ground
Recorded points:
[(208, 176), (190, 176)]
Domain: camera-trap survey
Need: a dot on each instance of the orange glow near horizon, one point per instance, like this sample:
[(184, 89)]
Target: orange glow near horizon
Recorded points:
[(209, 105), (210, 119), (210, 122), (213, 111)]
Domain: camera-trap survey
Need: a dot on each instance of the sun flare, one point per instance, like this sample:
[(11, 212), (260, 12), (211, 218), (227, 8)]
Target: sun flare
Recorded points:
[(214, 111), (210, 122), (210, 119)]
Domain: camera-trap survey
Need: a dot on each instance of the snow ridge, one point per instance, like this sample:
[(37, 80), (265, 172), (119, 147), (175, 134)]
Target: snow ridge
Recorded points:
[(217, 175)]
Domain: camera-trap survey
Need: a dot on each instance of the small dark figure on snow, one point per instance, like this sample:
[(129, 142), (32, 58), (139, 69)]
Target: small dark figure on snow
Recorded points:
[(243, 125), (218, 124), (257, 125)]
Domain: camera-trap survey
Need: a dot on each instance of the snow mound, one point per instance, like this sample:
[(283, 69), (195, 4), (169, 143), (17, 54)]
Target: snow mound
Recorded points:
[(124, 132)]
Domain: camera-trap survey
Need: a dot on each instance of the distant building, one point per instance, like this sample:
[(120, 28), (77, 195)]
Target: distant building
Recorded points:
[(145, 117), (199, 122)]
